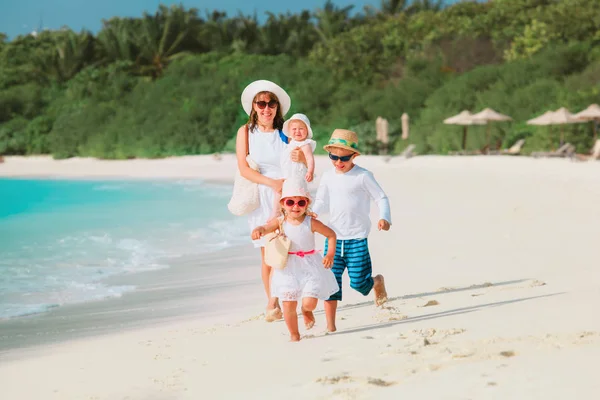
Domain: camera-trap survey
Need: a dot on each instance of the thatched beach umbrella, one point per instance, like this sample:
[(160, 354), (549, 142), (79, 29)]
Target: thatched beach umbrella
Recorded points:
[(488, 115), (592, 113), (561, 117), (544, 119), (465, 118)]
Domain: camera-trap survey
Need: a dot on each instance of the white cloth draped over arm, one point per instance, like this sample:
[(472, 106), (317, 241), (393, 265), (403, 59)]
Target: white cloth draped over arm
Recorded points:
[(378, 196)]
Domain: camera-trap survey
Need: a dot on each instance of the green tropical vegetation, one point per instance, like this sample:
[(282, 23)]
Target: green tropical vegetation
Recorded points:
[(169, 83)]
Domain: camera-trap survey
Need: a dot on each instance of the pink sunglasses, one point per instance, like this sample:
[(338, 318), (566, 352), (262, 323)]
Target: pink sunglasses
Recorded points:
[(291, 203)]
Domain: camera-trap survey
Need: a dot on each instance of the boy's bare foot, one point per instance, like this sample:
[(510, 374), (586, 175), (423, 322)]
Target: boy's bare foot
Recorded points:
[(379, 289), (309, 318), (331, 329), (295, 337)]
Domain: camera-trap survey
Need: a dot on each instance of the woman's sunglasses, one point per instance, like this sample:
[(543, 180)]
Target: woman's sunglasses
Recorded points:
[(290, 203), (262, 104), (342, 159)]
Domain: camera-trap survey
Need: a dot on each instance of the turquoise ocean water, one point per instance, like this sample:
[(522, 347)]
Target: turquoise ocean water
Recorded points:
[(60, 238)]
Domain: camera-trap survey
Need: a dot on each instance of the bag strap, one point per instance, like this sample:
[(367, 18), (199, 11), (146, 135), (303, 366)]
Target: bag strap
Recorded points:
[(282, 136), (281, 232), (281, 225), (247, 140)]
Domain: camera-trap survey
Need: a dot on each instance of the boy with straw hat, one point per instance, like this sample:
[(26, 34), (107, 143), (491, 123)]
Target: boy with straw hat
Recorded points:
[(346, 192)]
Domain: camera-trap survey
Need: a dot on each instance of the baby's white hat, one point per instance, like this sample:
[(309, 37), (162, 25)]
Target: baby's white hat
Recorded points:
[(300, 117), (295, 187)]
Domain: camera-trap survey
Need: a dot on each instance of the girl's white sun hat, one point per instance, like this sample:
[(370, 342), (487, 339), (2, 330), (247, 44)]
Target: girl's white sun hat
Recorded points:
[(295, 187), (265, 86), (299, 117)]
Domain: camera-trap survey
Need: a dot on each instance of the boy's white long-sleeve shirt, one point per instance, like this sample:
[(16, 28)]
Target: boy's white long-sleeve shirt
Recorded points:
[(347, 199)]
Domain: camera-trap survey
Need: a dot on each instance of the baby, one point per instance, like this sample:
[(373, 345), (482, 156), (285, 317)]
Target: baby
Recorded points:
[(300, 134), (298, 130)]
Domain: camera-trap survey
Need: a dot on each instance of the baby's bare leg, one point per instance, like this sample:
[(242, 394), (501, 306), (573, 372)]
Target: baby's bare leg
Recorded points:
[(291, 319), (308, 306)]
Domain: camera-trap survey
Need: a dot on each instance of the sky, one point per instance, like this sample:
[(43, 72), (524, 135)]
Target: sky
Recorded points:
[(23, 16)]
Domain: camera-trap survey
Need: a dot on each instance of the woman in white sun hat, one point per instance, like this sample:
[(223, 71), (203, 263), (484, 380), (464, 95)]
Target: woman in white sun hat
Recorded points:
[(261, 137)]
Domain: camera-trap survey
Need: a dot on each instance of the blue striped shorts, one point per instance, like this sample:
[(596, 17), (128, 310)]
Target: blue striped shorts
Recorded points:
[(354, 255)]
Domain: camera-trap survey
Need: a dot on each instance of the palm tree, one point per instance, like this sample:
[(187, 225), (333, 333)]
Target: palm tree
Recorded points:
[(332, 20), (425, 5), (392, 7), (292, 34), (215, 34), (153, 41), (169, 34), (117, 40), (69, 54)]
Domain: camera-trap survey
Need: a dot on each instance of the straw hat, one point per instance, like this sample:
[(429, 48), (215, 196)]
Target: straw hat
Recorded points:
[(265, 86), (299, 117), (343, 139), (295, 187)]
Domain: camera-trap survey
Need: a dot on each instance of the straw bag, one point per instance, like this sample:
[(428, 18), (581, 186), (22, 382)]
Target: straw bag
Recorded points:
[(244, 198), (277, 246)]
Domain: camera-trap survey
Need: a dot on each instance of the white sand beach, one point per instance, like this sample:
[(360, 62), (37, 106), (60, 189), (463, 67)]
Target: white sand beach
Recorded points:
[(492, 274)]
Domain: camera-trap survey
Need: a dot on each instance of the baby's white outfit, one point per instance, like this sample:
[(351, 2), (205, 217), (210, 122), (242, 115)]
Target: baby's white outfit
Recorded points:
[(293, 169), (304, 275)]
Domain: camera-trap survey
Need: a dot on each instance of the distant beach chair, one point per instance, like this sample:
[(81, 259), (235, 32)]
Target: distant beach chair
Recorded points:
[(515, 149), (566, 150), (594, 153), (409, 151)]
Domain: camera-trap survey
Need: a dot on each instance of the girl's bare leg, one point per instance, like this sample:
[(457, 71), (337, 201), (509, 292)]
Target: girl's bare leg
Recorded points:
[(273, 309), (291, 319), (308, 306)]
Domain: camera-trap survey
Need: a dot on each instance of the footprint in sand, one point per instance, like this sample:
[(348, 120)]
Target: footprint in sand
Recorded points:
[(379, 382), (431, 303), (334, 380), (389, 313), (537, 283), (340, 379)]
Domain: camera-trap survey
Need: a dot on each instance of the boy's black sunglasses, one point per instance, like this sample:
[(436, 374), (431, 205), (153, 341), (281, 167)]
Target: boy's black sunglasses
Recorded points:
[(342, 159)]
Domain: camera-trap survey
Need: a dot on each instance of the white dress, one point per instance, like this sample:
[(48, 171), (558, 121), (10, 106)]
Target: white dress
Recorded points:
[(303, 276), (265, 149), (293, 169)]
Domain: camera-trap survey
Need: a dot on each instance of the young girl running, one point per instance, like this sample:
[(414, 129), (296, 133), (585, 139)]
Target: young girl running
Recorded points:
[(307, 276)]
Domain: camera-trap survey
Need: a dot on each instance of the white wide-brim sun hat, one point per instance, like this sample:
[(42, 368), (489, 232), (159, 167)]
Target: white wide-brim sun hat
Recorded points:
[(265, 86), (295, 187), (299, 117)]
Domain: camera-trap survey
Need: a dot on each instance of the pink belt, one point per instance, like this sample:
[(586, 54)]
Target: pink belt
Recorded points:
[(301, 254)]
